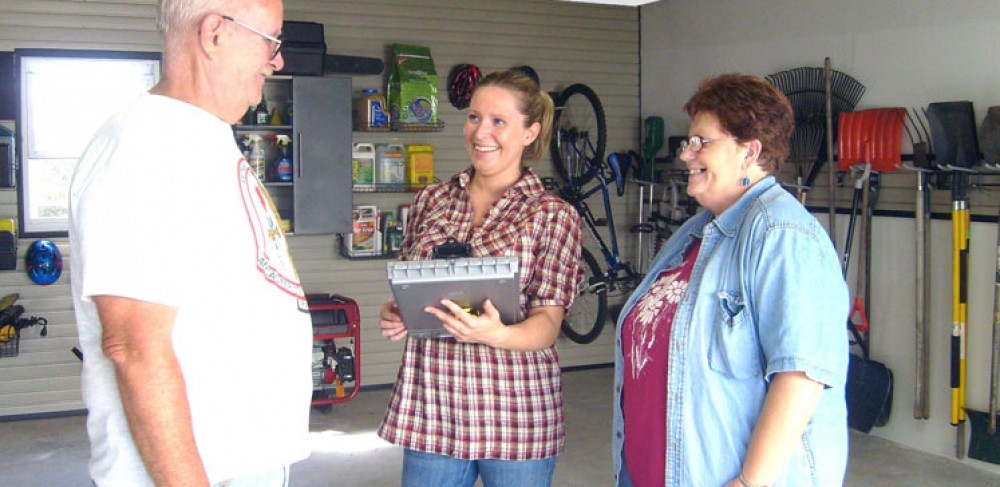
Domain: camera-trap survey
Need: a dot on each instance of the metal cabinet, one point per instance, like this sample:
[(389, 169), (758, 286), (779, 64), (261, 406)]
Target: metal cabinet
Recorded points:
[(318, 200)]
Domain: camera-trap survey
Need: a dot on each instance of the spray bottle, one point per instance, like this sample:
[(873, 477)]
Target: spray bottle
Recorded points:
[(256, 158), (283, 168)]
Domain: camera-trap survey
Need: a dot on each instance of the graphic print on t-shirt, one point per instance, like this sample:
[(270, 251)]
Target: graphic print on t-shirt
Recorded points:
[(666, 292), (273, 258)]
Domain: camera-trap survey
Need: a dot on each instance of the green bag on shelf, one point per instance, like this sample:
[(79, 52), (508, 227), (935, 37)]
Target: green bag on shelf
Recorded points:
[(412, 93)]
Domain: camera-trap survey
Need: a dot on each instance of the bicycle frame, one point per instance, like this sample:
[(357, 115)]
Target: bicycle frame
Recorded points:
[(578, 144)]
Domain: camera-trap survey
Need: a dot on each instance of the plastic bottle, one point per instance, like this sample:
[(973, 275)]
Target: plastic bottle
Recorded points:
[(371, 110), (283, 168), (419, 165), (391, 160), (393, 238), (404, 217), (363, 166), (262, 113), (256, 158), (250, 116), (276, 118)]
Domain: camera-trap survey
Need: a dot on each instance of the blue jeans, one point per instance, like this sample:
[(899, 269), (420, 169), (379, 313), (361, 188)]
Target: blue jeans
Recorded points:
[(422, 469)]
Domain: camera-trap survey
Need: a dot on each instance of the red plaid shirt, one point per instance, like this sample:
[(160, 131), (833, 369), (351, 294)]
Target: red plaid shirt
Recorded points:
[(473, 401)]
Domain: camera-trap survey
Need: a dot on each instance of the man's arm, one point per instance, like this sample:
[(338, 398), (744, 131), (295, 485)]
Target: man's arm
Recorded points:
[(138, 340)]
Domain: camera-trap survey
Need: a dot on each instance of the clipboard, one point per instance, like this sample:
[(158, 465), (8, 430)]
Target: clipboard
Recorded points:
[(468, 281)]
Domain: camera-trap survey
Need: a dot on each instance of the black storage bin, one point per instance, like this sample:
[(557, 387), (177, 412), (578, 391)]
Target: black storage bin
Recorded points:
[(303, 47), (8, 251)]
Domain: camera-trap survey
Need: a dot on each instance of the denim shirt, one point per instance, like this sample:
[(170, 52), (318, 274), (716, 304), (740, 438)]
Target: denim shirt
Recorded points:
[(766, 295)]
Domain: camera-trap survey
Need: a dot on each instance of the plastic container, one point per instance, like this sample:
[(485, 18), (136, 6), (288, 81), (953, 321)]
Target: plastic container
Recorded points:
[(363, 166), (283, 168), (419, 165), (391, 160), (262, 114), (393, 239), (404, 216), (365, 237), (256, 158), (371, 112)]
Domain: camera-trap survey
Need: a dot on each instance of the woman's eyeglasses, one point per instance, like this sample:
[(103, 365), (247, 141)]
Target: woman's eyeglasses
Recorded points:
[(275, 40), (696, 142)]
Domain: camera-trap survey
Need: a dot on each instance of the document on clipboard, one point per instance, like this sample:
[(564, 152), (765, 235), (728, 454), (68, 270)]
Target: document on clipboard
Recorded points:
[(468, 281)]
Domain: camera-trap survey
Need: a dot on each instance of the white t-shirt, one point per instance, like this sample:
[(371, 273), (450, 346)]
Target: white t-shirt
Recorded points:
[(163, 208)]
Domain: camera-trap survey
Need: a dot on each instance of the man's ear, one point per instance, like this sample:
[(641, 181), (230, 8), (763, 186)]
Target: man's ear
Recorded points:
[(210, 34)]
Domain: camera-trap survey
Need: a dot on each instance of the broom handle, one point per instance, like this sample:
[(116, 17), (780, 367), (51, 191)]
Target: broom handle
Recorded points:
[(831, 170), (995, 357), (959, 262), (920, 409)]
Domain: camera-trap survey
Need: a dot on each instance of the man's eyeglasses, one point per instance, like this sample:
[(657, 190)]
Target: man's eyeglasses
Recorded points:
[(275, 40), (696, 142)]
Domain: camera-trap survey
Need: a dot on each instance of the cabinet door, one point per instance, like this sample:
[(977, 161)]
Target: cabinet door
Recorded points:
[(322, 138)]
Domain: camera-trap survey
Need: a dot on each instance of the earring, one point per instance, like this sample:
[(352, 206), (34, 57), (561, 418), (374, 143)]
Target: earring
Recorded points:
[(746, 179)]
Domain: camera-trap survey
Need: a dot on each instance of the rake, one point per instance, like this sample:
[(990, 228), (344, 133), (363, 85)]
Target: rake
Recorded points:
[(805, 88)]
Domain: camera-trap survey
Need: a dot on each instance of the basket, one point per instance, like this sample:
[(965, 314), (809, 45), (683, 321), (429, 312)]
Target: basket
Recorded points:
[(9, 348), (417, 127)]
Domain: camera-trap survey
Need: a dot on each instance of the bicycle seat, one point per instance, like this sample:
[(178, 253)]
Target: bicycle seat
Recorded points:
[(616, 170)]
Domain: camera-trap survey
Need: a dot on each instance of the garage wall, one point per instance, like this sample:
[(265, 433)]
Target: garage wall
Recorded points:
[(906, 54), (564, 42)]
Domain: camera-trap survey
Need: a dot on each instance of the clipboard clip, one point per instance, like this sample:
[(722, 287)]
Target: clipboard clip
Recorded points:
[(452, 249)]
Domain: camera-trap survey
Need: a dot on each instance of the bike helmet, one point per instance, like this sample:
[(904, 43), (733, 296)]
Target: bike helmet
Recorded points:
[(461, 81), (529, 72), (44, 262)]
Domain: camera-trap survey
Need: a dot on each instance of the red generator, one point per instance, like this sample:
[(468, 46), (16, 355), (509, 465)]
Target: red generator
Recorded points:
[(336, 364)]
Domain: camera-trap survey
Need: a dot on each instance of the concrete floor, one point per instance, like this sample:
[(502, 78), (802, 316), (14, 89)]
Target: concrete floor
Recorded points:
[(53, 452)]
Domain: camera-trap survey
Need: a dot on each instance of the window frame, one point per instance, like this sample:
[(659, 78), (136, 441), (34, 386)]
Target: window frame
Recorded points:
[(35, 227)]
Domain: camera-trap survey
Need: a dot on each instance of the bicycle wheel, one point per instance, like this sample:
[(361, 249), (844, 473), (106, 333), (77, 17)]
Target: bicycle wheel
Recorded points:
[(579, 132), (585, 320)]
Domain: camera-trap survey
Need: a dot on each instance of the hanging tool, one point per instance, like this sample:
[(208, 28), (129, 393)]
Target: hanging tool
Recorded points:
[(868, 139), (817, 96), (831, 170), (860, 307), (869, 383), (860, 175), (646, 176), (922, 167), (956, 149), (959, 282), (995, 355)]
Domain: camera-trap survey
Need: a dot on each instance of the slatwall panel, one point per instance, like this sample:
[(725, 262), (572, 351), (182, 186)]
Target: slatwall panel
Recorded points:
[(564, 42)]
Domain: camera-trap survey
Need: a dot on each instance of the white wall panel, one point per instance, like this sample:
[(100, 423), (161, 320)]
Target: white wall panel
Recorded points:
[(565, 43)]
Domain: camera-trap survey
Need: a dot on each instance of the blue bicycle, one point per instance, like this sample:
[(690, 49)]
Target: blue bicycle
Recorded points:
[(577, 150)]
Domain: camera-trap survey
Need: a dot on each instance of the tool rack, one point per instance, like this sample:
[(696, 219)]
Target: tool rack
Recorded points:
[(336, 369)]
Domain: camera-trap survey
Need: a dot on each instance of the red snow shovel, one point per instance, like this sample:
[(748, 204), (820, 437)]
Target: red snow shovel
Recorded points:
[(869, 139)]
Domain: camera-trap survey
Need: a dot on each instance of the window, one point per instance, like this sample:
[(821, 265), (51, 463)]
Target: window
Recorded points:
[(65, 96)]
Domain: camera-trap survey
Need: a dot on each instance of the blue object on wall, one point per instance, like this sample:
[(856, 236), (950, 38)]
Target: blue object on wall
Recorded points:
[(44, 262)]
